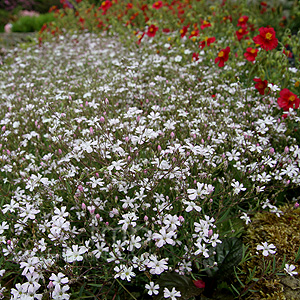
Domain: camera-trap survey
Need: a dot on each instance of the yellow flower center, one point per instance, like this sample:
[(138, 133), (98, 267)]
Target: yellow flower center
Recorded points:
[(221, 54), (240, 30), (253, 51), (269, 36), (103, 3), (205, 39), (181, 31), (292, 98), (205, 22), (193, 32), (241, 19)]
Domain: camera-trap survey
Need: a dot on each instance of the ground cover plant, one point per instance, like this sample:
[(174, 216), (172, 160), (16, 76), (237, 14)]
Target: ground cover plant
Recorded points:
[(139, 141)]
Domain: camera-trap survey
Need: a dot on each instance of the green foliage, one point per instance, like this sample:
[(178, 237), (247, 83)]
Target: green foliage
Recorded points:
[(181, 283), (32, 24), (223, 258), (43, 6)]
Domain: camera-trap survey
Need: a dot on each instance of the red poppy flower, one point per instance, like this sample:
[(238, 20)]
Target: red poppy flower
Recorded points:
[(194, 33), (157, 5), (227, 18), (241, 32), (208, 41), (222, 56), (288, 100), (199, 283), (205, 24), (242, 21), (152, 30), (184, 30), (266, 38), (195, 56), (250, 54), (261, 85), (105, 5)]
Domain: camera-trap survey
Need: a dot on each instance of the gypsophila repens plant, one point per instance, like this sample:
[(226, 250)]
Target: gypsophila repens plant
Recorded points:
[(138, 141)]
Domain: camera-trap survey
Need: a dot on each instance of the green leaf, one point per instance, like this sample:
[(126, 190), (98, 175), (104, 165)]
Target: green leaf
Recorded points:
[(227, 255), (181, 283)]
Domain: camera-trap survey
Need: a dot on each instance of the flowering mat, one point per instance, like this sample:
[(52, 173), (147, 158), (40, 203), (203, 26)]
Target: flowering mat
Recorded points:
[(133, 173)]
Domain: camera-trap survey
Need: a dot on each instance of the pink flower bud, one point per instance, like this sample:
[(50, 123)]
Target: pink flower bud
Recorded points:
[(296, 205), (146, 218), (91, 130), (181, 219), (272, 151), (80, 187), (97, 174), (172, 134), (50, 285), (83, 206), (159, 148), (59, 151), (210, 232), (126, 139), (97, 216), (102, 119), (286, 149)]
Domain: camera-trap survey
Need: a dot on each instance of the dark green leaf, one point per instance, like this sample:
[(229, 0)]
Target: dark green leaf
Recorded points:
[(227, 255), (181, 283)]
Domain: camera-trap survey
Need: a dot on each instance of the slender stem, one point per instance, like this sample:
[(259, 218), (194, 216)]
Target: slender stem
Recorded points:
[(121, 284)]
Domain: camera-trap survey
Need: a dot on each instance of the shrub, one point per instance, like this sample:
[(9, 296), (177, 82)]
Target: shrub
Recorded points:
[(32, 24)]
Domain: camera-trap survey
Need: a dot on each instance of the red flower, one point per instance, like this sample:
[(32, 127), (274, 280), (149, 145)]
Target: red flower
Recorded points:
[(227, 18), (242, 21), (140, 38), (194, 33), (261, 85), (251, 54), (205, 24), (195, 56), (208, 42), (184, 30), (152, 30), (199, 284), (241, 32), (157, 5), (105, 5), (222, 56), (288, 100), (266, 38)]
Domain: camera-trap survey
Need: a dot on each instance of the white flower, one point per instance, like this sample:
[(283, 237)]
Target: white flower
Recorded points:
[(171, 294), (75, 254), (201, 249), (237, 187), (59, 278), (124, 273), (163, 237), (152, 288), (267, 249), (157, 266), (290, 269), (246, 218)]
